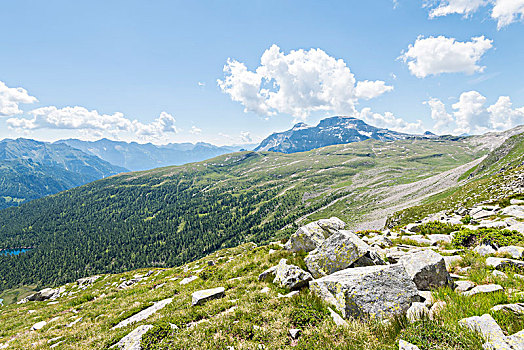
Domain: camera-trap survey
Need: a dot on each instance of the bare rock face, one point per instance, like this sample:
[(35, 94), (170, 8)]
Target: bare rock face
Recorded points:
[(427, 269), (376, 291), (291, 276), (336, 253), (311, 236)]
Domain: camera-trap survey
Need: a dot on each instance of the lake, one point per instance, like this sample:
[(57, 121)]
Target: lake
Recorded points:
[(15, 251)]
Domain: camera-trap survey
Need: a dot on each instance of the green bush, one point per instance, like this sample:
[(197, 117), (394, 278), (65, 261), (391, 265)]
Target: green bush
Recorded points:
[(210, 272), (155, 335), (466, 219), (308, 310), (429, 335), (83, 299), (437, 227), (469, 238)]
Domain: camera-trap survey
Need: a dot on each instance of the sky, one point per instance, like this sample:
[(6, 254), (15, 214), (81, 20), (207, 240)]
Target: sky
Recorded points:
[(233, 72)]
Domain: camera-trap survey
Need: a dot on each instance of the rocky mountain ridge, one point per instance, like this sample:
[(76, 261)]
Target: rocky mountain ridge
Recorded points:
[(330, 131)]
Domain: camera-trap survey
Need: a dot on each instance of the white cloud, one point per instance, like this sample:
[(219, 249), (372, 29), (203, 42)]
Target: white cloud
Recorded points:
[(245, 136), (195, 131), (201, 83), (463, 7), (442, 118), (472, 116), (298, 83), (507, 12), (389, 121), (79, 118), (436, 55), (11, 98), (370, 89), (503, 116), (504, 12)]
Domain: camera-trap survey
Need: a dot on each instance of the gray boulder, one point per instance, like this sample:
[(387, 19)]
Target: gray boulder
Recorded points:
[(376, 291), (515, 251), (46, 294), (484, 288), (417, 311), (133, 339), (484, 249), (463, 286), (427, 269), (268, 272), (336, 253), (291, 276), (514, 210), (517, 308), (202, 296), (86, 281), (485, 324), (311, 236), (404, 345)]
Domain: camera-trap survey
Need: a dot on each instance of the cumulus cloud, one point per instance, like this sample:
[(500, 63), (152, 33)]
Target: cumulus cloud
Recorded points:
[(437, 55), (442, 118), (504, 12), (11, 98), (82, 119), (389, 121), (298, 83), (472, 116)]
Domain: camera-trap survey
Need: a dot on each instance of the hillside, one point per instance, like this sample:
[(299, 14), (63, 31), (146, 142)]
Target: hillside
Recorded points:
[(169, 216), (136, 156), (31, 169), (330, 131)]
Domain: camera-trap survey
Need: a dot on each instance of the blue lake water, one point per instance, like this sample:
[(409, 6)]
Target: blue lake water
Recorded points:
[(14, 251)]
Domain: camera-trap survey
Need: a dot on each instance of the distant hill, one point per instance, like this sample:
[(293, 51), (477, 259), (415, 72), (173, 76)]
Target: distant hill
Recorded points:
[(330, 131), (31, 169), (136, 156)]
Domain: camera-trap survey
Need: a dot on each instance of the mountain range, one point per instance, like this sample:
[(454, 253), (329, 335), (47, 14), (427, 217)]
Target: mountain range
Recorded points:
[(135, 156), (330, 131), (31, 169)]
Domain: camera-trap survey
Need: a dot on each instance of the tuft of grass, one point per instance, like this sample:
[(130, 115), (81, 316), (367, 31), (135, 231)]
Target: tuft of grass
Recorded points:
[(437, 227), (308, 310), (500, 237), (153, 337)]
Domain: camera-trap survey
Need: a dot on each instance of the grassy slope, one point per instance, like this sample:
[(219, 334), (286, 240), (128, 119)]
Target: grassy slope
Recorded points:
[(258, 318), (177, 214), (487, 182)]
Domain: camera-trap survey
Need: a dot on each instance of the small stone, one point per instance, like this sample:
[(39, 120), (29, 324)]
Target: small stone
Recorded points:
[(499, 274), (288, 295), (202, 296), (265, 290), (463, 286), (484, 250), (436, 309), (416, 312), (39, 325), (188, 280), (295, 333), (484, 288), (427, 297), (517, 308)]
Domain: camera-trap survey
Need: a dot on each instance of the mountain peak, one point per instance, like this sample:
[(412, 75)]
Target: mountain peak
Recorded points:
[(329, 131)]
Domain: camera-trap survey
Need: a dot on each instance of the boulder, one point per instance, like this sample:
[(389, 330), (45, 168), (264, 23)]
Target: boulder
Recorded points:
[(427, 297), (376, 291), (336, 253), (142, 315), (484, 288), (485, 324), (371, 258), (450, 260), (86, 281), (515, 251), (311, 236), (337, 319), (500, 263), (381, 241), (268, 272), (202, 296), (294, 333), (514, 210), (46, 294), (291, 276), (419, 239), (499, 274), (514, 201), (427, 269), (438, 238), (417, 311), (404, 345), (484, 249), (188, 280)]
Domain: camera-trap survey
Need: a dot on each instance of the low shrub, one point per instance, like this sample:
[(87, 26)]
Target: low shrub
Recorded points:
[(437, 227), (499, 237), (308, 310), (155, 335)]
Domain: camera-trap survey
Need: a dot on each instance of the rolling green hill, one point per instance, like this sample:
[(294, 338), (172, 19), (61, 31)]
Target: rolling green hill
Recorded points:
[(168, 216)]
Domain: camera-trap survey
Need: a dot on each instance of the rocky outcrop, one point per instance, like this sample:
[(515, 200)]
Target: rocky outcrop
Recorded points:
[(133, 339), (375, 291), (291, 276), (44, 294), (142, 315), (336, 253), (427, 269), (311, 236)]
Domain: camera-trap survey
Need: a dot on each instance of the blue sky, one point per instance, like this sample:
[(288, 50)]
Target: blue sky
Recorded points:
[(147, 71)]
